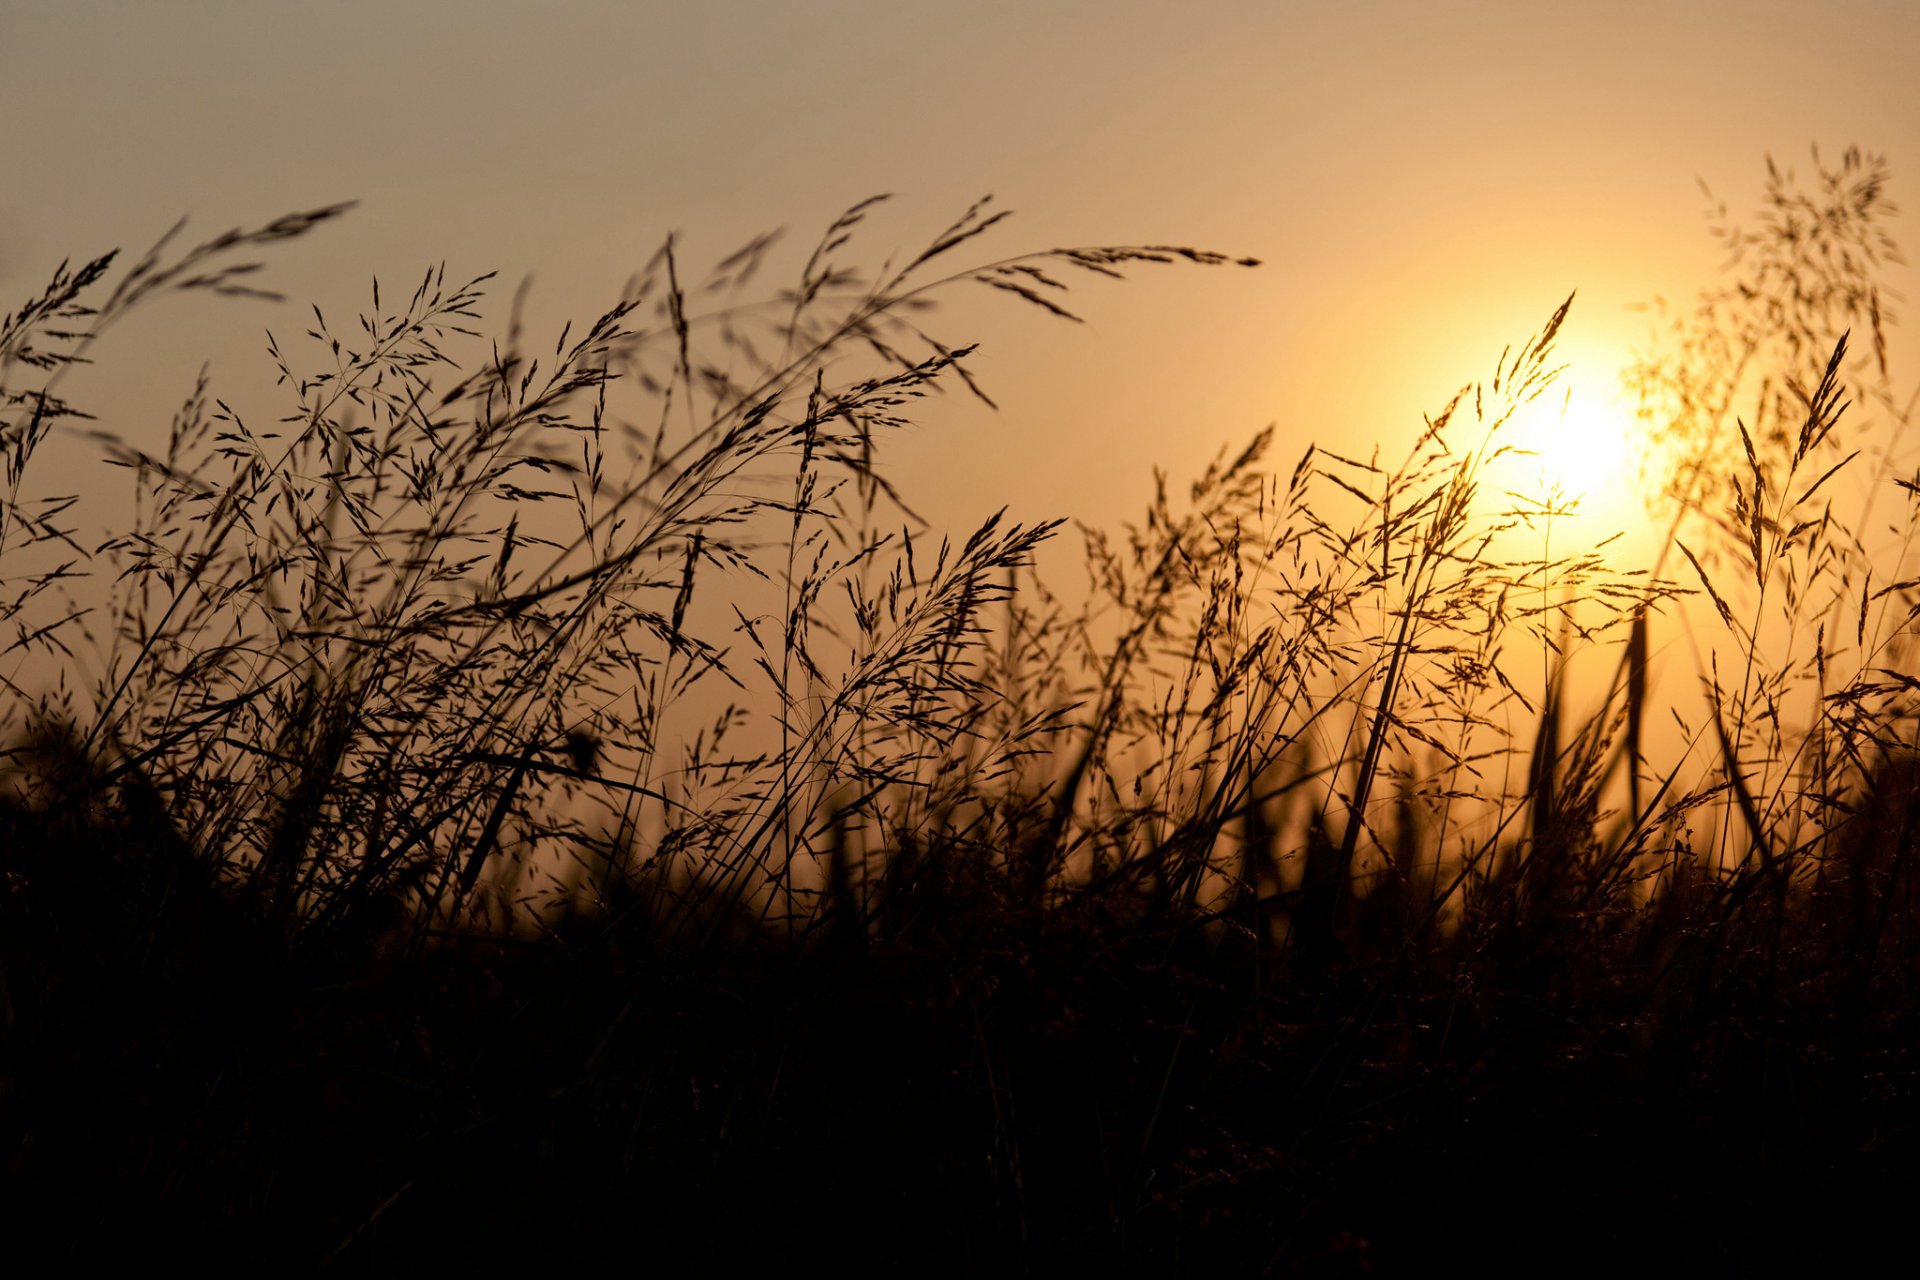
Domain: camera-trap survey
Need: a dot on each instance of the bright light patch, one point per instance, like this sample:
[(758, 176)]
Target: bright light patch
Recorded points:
[(1579, 445)]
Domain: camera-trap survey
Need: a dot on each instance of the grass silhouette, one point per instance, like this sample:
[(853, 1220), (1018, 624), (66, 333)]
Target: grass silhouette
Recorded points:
[(547, 803)]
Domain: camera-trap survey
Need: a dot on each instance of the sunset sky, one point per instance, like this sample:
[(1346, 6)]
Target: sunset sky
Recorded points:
[(1424, 182)]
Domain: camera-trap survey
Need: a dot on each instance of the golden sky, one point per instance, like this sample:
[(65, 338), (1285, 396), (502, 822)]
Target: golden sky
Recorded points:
[(1424, 181)]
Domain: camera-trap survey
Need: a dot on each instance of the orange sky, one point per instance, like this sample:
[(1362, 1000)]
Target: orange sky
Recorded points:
[(1424, 181)]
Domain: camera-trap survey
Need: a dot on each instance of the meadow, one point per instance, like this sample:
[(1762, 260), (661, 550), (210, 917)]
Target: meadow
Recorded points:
[(547, 798)]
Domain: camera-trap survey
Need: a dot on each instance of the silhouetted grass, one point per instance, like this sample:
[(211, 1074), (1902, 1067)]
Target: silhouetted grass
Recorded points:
[(546, 803)]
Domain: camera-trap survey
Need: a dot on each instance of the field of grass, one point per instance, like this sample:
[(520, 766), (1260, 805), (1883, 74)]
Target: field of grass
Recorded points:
[(546, 798)]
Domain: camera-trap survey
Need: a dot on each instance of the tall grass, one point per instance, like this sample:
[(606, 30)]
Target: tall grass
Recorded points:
[(560, 784)]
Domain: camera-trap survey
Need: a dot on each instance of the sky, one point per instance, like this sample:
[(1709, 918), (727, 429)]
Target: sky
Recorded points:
[(1423, 182)]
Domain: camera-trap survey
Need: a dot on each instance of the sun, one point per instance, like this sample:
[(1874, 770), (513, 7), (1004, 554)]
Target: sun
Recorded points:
[(1578, 446), (1573, 454)]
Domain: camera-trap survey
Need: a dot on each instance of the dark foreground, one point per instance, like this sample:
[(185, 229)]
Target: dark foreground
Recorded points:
[(972, 1085)]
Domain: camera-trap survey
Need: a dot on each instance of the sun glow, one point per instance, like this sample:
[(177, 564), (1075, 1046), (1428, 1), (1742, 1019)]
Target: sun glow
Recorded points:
[(1577, 445), (1572, 456)]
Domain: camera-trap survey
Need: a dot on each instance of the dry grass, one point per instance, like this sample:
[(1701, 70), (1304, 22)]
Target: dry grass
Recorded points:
[(556, 785)]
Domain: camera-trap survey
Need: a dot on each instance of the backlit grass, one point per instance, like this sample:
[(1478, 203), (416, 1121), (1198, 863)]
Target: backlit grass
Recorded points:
[(544, 798)]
